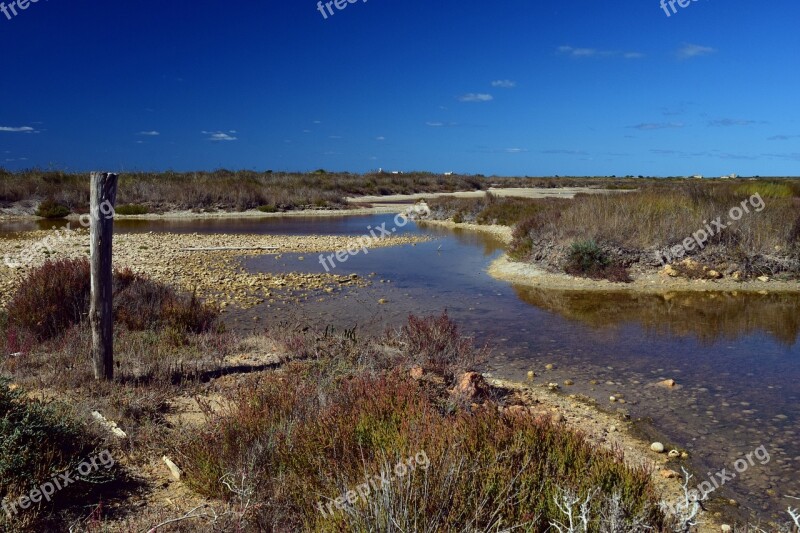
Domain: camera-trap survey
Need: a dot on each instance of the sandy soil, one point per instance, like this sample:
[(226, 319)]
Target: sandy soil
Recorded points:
[(216, 275), (521, 192), (655, 282)]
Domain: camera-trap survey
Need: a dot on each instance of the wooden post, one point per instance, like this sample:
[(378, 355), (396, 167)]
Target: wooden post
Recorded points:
[(101, 313)]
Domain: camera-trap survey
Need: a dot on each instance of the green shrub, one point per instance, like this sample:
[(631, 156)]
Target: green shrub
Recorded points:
[(132, 209), (38, 441), (268, 208), (588, 259), (49, 208)]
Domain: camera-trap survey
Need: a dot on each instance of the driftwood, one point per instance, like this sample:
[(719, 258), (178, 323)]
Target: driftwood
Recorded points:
[(225, 248)]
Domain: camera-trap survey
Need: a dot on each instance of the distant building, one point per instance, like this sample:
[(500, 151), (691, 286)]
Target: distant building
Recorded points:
[(448, 173)]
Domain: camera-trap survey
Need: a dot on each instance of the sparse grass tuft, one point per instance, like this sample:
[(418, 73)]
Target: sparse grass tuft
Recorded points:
[(132, 209)]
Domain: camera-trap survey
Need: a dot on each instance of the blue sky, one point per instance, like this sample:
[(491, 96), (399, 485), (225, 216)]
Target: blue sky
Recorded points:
[(508, 88)]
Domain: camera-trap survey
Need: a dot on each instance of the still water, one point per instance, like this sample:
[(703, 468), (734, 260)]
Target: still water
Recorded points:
[(736, 357)]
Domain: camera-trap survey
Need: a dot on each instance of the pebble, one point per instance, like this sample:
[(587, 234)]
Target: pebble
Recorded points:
[(657, 447)]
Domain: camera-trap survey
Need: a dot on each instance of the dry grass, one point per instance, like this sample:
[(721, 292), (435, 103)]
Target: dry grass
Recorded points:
[(224, 190)]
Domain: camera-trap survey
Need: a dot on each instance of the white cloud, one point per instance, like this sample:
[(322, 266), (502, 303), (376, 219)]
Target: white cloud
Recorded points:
[(504, 84), (694, 50), (435, 124), (515, 150), (475, 97), (218, 136), (571, 51), (23, 129), (380, 138), (150, 133)]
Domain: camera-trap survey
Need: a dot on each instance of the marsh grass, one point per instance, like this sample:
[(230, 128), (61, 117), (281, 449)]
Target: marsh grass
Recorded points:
[(308, 434)]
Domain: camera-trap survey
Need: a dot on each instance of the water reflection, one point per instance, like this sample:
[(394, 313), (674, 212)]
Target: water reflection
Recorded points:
[(709, 317)]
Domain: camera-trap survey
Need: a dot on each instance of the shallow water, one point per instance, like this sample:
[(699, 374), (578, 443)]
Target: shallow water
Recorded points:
[(736, 357)]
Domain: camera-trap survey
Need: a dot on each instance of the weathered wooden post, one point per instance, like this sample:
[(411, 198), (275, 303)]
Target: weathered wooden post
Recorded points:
[(101, 313)]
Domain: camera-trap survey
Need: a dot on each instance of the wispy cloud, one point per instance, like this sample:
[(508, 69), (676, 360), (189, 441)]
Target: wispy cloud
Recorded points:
[(694, 50), (515, 150), (475, 97), (645, 126), (727, 122), (793, 156), (504, 84), (149, 133), (571, 51), (437, 124), (22, 129), (380, 138), (564, 152), (783, 137), (217, 136)]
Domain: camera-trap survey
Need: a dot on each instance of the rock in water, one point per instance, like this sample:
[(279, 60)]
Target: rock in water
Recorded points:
[(657, 447)]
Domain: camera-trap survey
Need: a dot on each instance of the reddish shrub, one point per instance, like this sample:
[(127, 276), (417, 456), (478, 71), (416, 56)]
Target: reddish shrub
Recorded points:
[(435, 343), (52, 298), (55, 296)]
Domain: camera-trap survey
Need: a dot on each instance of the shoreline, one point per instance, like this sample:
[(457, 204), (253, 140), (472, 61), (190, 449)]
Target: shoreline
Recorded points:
[(605, 429), (654, 282)]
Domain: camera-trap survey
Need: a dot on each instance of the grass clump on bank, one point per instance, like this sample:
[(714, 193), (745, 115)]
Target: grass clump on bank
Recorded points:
[(49, 208), (587, 259), (132, 209), (39, 441), (294, 441)]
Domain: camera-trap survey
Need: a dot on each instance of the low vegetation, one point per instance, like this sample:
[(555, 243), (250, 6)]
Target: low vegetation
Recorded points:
[(224, 190), (280, 442), (38, 442), (132, 209), (49, 208), (55, 297), (631, 230), (293, 441)]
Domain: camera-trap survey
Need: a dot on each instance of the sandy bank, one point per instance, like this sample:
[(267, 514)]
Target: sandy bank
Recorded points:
[(503, 233), (505, 269), (521, 192), (215, 275)]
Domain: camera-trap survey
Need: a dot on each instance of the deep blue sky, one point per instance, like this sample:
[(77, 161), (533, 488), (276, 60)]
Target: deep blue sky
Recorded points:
[(511, 88)]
